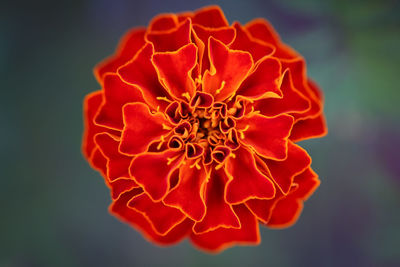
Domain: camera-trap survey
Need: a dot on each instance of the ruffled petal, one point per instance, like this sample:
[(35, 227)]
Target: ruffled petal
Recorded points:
[(191, 187), (116, 94), (201, 36), (288, 209), (291, 102), (130, 44), (244, 42), (141, 128), (161, 217), (298, 73), (222, 238), (175, 70), (211, 16), (137, 220), (262, 30), (98, 162), (219, 213), (171, 40), (264, 81), (228, 70), (117, 163), (120, 186), (267, 136), (283, 172), (163, 22), (247, 182), (91, 105), (309, 128), (153, 171), (262, 208), (140, 72)]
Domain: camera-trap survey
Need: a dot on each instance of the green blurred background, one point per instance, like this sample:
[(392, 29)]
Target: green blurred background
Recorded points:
[(54, 206)]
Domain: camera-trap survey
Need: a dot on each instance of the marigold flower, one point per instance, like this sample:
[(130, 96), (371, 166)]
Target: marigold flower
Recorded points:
[(195, 129)]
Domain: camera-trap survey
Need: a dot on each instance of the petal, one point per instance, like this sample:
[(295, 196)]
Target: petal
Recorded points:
[(298, 73), (288, 209), (188, 195), (161, 217), (211, 16), (116, 94), (267, 136), (98, 162), (228, 70), (121, 185), (91, 106), (153, 171), (291, 102), (171, 40), (141, 128), (308, 182), (263, 81), (309, 128), (283, 172), (217, 240), (137, 220), (247, 182), (243, 41), (219, 213), (262, 208), (130, 44), (262, 30), (117, 163), (140, 72), (224, 34), (163, 22), (175, 70)]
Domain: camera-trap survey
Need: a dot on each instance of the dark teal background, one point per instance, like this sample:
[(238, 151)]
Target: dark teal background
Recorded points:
[(54, 206)]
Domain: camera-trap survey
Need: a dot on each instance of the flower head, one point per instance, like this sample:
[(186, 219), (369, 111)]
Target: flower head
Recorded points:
[(195, 129)]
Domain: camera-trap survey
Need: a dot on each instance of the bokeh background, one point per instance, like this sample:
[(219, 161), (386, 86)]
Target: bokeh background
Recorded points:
[(54, 206)]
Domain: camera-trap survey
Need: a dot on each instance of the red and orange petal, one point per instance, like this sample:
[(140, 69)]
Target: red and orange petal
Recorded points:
[(195, 129)]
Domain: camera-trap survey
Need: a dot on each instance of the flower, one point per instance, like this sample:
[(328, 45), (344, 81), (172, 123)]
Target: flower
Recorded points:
[(196, 126)]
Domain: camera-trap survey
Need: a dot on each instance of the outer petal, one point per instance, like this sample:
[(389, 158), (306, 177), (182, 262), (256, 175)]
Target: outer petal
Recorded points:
[(222, 238), (268, 136), (262, 208), (121, 185), (311, 127), (117, 163), (163, 22), (116, 94), (191, 187), (247, 182), (263, 31), (175, 70), (228, 70), (141, 128), (211, 16), (287, 210), (243, 41), (283, 172), (91, 106), (291, 102), (136, 219), (140, 72), (130, 44), (161, 217), (171, 40), (298, 73), (153, 171), (264, 81), (98, 162), (219, 213)]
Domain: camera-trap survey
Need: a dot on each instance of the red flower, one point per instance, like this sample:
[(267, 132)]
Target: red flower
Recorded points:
[(195, 129)]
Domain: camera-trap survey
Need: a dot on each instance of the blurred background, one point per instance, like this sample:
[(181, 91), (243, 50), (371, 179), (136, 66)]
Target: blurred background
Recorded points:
[(54, 206)]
